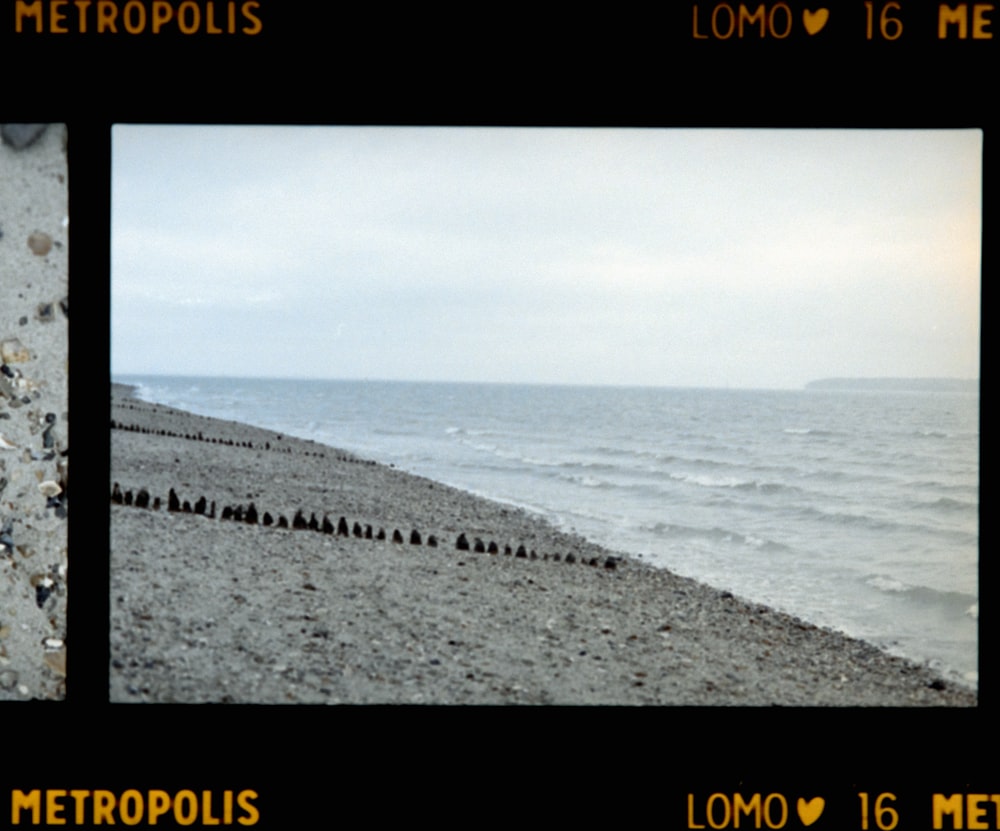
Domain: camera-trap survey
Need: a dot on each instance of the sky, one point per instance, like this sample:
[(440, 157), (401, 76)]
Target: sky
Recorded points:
[(736, 258)]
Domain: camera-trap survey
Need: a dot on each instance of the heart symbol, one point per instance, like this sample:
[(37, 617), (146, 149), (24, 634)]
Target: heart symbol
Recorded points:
[(810, 811), (816, 20)]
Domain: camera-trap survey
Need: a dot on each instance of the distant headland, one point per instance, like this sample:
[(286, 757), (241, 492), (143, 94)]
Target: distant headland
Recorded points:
[(897, 384)]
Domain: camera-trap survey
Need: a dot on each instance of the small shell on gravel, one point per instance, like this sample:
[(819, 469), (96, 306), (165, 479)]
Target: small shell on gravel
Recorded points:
[(40, 243), (6, 445), (50, 488), (14, 352), (56, 661)]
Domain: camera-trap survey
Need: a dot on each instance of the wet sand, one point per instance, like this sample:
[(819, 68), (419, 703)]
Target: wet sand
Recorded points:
[(213, 609)]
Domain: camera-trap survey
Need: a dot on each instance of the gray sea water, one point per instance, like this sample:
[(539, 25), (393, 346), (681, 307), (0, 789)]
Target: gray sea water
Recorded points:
[(857, 510)]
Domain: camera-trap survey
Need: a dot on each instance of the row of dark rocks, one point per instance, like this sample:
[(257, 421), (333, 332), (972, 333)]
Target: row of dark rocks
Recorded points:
[(251, 516), (200, 436)]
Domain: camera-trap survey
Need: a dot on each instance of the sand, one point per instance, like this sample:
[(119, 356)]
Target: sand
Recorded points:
[(206, 609), (34, 419)]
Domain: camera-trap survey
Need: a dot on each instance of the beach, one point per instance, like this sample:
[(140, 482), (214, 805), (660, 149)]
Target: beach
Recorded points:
[(214, 602), (34, 417)]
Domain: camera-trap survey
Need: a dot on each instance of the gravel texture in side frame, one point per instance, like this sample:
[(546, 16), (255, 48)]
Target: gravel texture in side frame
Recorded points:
[(34, 418)]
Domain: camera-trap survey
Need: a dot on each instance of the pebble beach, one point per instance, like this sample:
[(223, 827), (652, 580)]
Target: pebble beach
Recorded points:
[(34, 417), (256, 568)]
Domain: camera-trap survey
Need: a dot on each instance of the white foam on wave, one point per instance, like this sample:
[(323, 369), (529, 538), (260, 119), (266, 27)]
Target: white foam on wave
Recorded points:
[(707, 481), (887, 584)]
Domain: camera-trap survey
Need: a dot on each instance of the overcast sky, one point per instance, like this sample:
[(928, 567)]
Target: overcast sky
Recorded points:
[(740, 258)]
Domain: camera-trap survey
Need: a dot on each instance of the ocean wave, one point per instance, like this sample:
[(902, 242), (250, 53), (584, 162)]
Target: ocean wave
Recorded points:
[(714, 534), (453, 430), (811, 431), (959, 604), (947, 503), (887, 584), (862, 521), (704, 480), (930, 434)]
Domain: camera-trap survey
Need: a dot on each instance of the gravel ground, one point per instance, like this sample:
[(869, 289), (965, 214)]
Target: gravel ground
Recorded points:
[(206, 609), (34, 442)]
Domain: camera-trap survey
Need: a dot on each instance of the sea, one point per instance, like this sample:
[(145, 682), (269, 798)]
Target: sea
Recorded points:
[(854, 509)]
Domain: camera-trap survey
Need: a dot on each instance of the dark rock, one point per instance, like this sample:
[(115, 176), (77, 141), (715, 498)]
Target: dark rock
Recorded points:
[(42, 593)]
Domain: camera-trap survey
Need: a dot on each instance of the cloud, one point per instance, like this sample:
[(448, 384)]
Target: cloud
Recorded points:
[(549, 254)]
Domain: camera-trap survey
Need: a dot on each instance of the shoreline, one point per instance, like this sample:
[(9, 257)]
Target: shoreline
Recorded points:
[(211, 609)]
